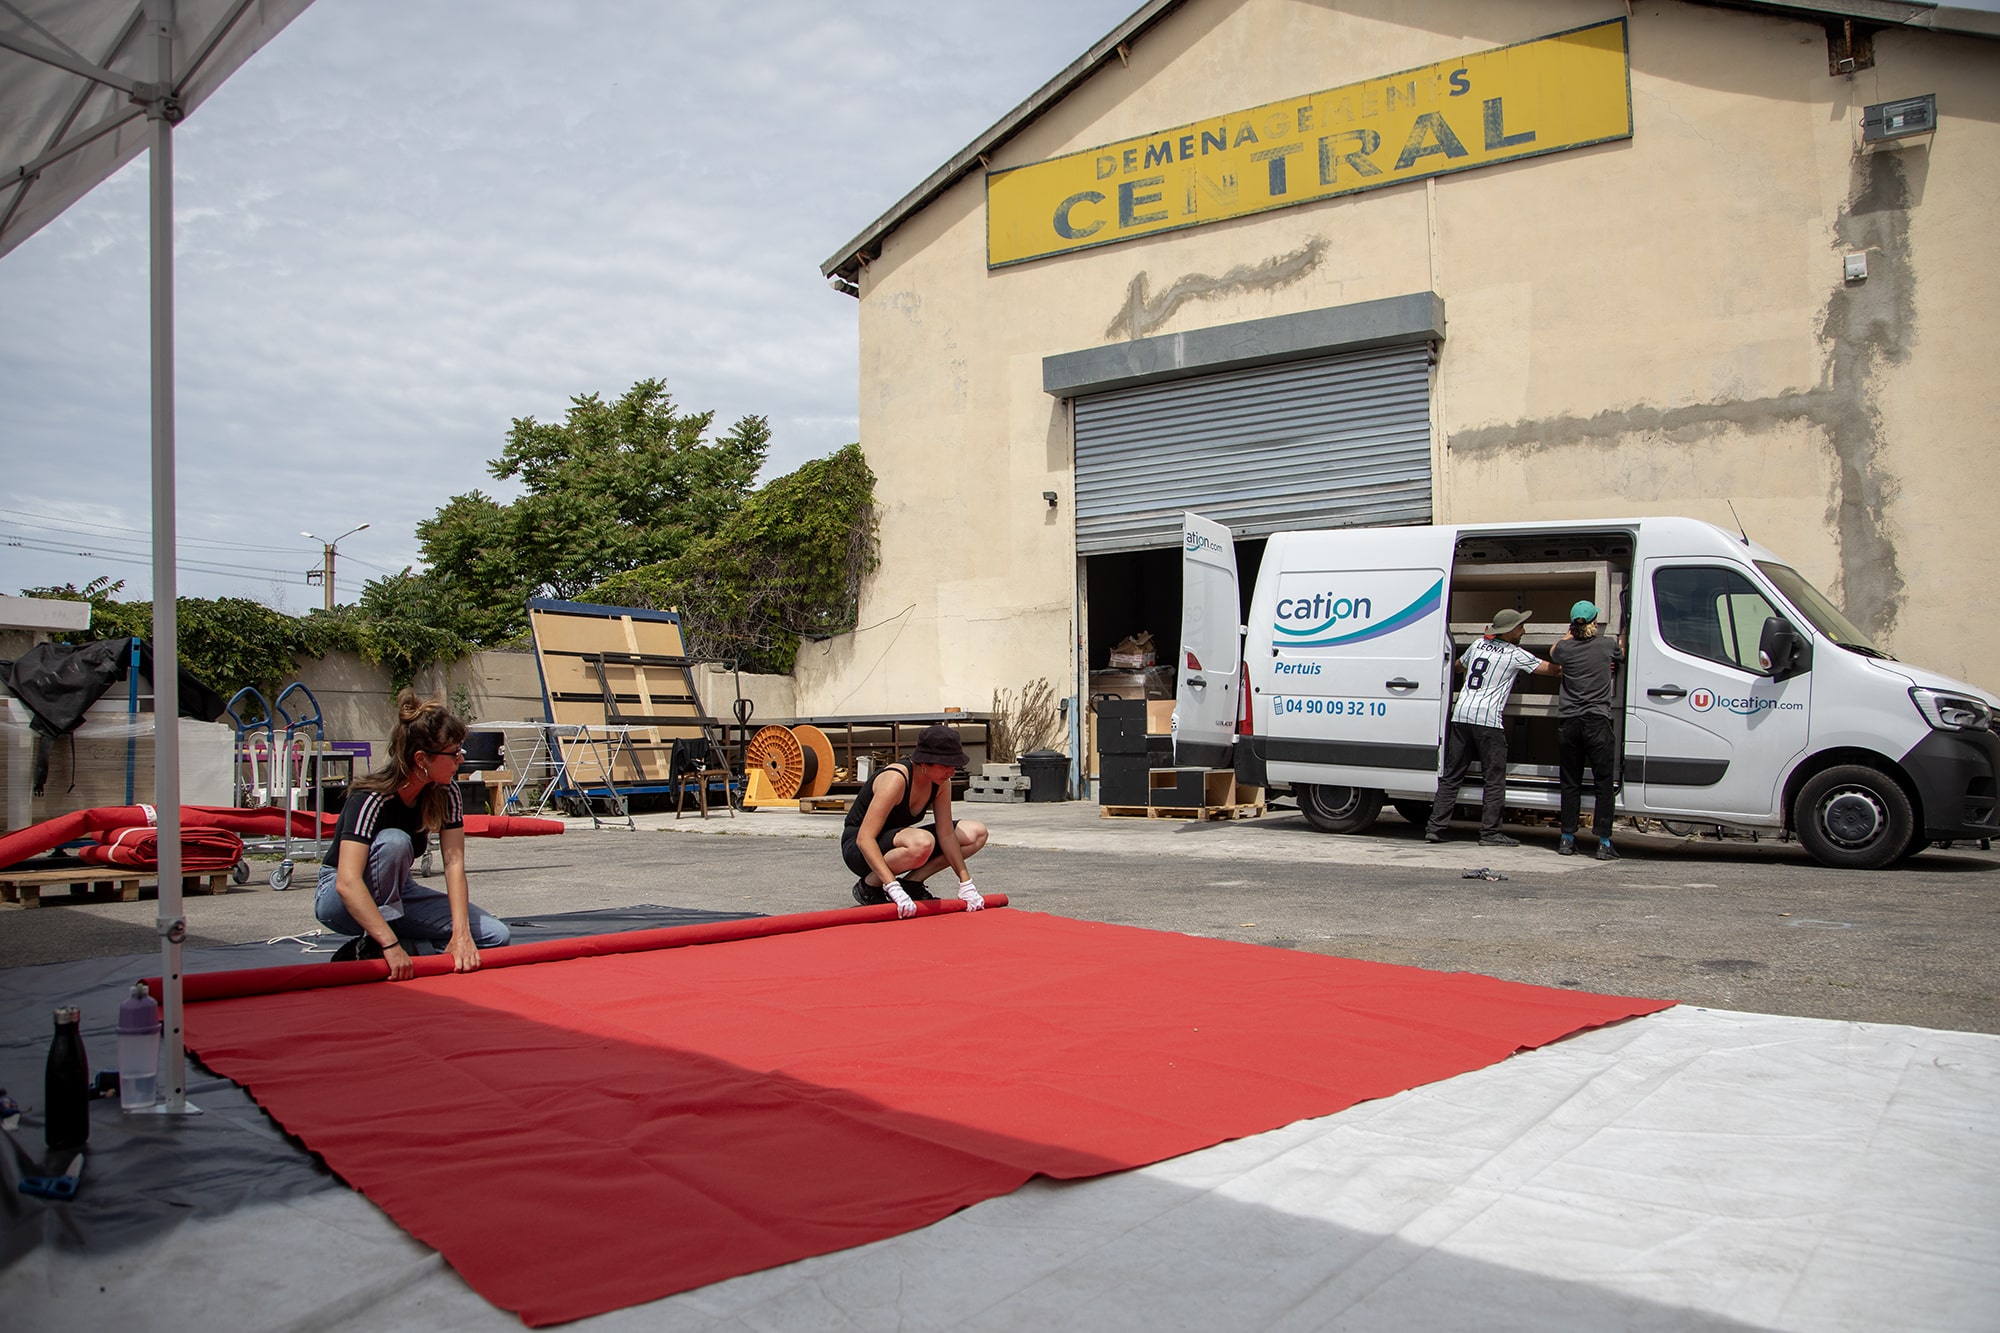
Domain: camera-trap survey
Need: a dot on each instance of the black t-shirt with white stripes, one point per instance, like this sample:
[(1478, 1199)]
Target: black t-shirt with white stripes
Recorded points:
[(367, 813)]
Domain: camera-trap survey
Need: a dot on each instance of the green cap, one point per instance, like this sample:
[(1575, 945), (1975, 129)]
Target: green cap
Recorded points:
[(1584, 611)]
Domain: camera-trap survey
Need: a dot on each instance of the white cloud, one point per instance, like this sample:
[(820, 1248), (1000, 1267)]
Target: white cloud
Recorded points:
[(398, 230)]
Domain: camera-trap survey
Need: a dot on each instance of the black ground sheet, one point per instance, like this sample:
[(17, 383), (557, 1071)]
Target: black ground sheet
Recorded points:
[(143, 1173)]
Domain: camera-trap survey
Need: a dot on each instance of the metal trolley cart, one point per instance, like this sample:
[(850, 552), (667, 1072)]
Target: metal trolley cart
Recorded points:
[(268, 762)]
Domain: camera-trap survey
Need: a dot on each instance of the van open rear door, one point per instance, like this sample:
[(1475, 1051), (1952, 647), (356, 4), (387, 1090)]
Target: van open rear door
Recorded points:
[(1206, 687)]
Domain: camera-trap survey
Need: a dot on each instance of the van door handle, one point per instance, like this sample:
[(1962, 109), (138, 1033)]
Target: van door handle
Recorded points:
[(1666, 692), (1400, 684), (1197, 682)]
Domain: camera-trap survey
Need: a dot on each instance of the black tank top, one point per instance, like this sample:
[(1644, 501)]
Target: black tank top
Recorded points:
[(899, 815)]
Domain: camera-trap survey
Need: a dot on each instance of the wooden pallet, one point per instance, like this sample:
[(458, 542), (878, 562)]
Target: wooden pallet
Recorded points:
[(26, 886), (824, 805), (1185, 813)]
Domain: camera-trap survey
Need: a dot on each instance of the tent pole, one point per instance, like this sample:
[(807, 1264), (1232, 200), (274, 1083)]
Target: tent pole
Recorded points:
[(161, 112)]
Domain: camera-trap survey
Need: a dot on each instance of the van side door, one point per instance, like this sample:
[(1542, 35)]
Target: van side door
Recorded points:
[(1719, 732), (1354, 678), (1206, 702)]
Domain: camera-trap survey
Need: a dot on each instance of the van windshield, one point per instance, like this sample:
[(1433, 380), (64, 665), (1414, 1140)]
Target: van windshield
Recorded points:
[(1811, 603)]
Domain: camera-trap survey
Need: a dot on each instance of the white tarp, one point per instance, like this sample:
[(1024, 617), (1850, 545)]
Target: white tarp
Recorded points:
[(1693, 1169), (46, 109)]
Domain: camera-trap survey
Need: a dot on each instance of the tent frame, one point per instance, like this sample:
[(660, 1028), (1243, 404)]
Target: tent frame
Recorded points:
[(161, 101)]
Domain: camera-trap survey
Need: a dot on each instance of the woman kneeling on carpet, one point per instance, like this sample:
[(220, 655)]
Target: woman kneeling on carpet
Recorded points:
[(365, 885), (881, 842)]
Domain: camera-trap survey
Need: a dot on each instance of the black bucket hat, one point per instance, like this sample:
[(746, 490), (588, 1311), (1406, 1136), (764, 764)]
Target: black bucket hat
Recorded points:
[(939, 745)]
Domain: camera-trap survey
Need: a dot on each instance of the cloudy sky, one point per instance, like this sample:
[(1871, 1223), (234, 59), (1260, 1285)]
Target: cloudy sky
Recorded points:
[(402, 225)]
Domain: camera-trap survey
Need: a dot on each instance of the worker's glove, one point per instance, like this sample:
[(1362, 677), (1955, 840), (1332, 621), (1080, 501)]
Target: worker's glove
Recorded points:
[(905, 906), (971, 896)]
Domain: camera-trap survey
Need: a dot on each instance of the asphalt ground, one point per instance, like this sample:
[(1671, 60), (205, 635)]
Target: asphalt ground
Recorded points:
[(1726, 924)]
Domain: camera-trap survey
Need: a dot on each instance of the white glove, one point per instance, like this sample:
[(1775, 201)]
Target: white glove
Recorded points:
[(906, 907), (973, 899)]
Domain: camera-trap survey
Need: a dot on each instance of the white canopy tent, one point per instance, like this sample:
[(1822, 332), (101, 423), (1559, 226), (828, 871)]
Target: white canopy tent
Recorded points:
[(85, 85)]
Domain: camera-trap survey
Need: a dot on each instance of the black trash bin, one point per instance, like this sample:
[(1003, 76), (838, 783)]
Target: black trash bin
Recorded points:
[(1047, 772)]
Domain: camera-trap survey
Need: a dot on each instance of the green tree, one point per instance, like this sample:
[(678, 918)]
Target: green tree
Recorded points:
[(406, 622), (614, 486), (787, 565)]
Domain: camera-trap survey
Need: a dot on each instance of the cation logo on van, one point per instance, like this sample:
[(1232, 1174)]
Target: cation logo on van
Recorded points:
[(1326, 619), (1200, 541)]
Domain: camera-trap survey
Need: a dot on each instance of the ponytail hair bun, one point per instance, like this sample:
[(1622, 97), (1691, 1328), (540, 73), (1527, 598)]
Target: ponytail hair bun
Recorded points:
[(410, 706)]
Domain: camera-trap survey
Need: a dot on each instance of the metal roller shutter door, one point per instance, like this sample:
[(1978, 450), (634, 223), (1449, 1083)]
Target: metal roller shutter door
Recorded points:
[(1327, 442)]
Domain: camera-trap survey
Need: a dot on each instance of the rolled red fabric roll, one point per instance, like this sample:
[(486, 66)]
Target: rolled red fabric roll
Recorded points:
[(314, 976)]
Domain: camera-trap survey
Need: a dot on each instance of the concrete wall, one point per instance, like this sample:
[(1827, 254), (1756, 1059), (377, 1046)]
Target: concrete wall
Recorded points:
[(1656, 325), (358, 705)]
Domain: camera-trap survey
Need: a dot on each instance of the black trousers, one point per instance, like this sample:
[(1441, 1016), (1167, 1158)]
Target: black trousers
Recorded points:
[(1464, 743), (1579, 741)]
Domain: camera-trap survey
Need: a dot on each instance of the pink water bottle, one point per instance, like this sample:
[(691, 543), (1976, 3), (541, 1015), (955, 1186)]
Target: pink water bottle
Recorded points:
[(138, 1050)]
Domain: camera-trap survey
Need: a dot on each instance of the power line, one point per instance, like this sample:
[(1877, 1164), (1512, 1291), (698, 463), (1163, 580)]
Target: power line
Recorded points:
[(80, 527), (245, 572), (111, 550)]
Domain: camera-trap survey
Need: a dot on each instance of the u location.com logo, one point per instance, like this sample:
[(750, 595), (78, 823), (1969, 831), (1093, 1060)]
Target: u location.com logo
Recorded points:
[(1702, 700)]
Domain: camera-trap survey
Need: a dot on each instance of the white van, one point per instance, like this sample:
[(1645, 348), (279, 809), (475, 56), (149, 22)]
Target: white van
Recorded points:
[(1747, 699)]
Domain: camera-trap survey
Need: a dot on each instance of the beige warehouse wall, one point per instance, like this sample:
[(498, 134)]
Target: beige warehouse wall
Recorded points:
[(1655, 325)]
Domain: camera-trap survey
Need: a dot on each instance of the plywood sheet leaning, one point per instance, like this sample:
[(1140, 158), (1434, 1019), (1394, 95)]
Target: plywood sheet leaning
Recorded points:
[(624, 674)]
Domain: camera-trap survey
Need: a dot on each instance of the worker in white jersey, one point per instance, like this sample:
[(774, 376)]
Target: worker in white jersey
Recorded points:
[(1490, 665)]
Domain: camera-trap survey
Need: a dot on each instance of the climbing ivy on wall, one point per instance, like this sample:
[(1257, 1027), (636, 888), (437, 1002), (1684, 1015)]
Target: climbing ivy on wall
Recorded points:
[(788, 565)]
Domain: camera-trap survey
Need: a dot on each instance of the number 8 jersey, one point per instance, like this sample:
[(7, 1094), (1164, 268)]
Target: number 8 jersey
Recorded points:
[(1490, 667)]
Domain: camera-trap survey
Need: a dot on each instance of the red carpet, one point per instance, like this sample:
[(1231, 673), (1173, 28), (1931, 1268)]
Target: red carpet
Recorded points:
[(578, 1136)]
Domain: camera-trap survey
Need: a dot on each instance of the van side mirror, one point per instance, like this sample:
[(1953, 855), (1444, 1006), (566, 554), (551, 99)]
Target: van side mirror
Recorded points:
[(1782, 651)]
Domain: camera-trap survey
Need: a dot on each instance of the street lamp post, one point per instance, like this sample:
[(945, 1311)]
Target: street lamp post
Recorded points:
[(328, 568)]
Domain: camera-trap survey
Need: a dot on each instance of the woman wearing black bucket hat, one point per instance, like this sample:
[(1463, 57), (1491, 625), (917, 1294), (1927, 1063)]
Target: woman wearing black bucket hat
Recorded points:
[(881, 842)]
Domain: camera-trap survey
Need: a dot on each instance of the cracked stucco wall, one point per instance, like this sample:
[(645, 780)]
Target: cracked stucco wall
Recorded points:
[(1656, 325)]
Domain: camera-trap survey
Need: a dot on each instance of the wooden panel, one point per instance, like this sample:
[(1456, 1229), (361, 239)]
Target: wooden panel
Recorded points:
[(578, 649)]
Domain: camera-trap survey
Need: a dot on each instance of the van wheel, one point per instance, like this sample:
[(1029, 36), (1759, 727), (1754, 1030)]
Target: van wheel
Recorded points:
[(1918, 842), (1417, 813), (1853, 817), (1339, 809)]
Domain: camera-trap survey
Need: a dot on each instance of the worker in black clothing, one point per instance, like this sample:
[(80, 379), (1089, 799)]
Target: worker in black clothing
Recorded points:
[(1584, 731), (882, 843)]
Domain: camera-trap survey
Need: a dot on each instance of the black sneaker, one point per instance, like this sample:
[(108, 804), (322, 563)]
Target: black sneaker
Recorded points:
[(1606, 852), (918, 893), (1498, 840), (869, 895), (1433, 837), (1567, 847), (357, 950)]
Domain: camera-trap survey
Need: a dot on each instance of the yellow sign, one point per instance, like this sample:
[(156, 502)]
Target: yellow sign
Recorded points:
[(1537, 97)]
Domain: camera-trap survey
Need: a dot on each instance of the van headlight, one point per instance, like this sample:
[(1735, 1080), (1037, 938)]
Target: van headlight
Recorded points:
[(1952, 712)]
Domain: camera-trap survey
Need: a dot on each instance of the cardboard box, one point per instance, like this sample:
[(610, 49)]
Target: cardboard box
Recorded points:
[(1191, 788), (1159, 717)]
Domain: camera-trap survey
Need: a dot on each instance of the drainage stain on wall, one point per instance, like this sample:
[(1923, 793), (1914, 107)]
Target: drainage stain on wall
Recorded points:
[(1868, 326)]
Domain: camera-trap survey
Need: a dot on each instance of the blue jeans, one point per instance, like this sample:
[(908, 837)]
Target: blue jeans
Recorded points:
[(420, 916)]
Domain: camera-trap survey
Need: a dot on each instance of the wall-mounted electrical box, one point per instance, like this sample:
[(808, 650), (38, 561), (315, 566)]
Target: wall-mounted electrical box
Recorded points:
[(1899, 119)]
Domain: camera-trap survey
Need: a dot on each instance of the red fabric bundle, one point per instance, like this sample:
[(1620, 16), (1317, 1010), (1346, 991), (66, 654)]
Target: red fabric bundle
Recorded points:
[(51, 833), (204, 851)]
